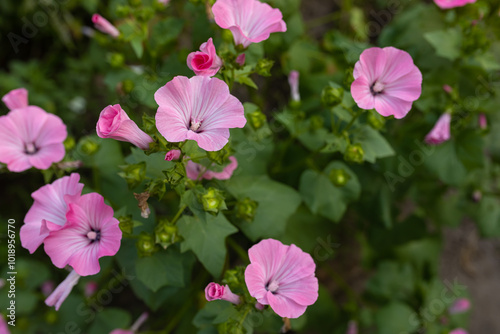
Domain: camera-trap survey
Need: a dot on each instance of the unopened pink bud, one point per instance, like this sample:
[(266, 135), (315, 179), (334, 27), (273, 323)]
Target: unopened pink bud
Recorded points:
[(447, 89), (483, 122), (90, 288), (461, 305), (105, 26), (240, 60), (215, 291), (293, 80), (63, 290), (172, 155)]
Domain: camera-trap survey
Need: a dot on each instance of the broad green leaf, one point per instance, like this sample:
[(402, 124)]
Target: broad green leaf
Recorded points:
[(470, 149), (445, 163), (489, 217), (447, 43), (374, 144), (110, 319), (396, 318), (160, 269), (206, 238), (392, 281), (277, 202)]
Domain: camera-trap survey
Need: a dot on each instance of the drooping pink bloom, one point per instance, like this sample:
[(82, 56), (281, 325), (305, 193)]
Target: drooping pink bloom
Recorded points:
[(441, 130), (59, 295), (205, 62), (201, 109), (91, 232), (31, 137), (461, 305), (459, 331), (15, 99), (114, 123), (250, 21), (47, 288), (352, 327), (105, 26), (293, 80), (281, 276), (386, 80), (214, 291), (446, 4), (196, 171), (51, 205), (172, 155), (135, 327), (483, 122), (240, 60), (90, 288)]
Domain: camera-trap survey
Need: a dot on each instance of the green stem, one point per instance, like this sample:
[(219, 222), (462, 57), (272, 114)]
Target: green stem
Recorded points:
[(238, 249), (354, 118), (179, 213)]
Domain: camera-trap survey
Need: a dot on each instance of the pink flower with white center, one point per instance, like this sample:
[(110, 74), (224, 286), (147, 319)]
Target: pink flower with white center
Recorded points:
[(31, 137), (114, 123), (59, 295), (135, 327), (173, 155), (281, 276), (461, 305), (483, 122), (386, 80), (214, 291), (15, 99), (459, 331), (293, 80), (446, 4), (91, 232), (352, 327), (201, 109), (250, 21), (205, 62), (51, 205), (105, 26), (196, 171), (441, 130)]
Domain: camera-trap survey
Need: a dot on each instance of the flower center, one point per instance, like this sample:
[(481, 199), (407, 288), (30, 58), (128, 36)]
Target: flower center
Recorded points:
[(195, 125), (94, 236), (30, 148), (377, 88), (272, 286)]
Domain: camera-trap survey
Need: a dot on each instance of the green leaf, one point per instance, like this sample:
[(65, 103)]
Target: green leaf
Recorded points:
[(166, 31), (160, 269), (277, 202), (323, 197), (206, 238), (489, 217), (446, 165), (109, 319), (446, 42), (470, 148), (396, 318), (137, 46), (392, 280), (374, 144)]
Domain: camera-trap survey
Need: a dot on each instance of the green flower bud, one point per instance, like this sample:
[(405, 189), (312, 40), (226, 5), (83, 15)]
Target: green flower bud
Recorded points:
[(127, 86), (227, 36), (257, 119), (331, 97), (166, 235), (354, 153), (126, 224), (116, 60), (88, 146), (213, 201), (246, 209), (221, 156), (134, 174), (145, 244), (339, 177), (69, 143), (264, 67), (176, 174), (317, 122), (376, 120), (348, 78), (149, 124)]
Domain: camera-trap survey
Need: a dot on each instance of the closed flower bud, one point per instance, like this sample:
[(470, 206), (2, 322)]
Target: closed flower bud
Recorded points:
[(69, 143), (221, 156), (88, 146), (213, 200), (166, 235), (257, 119), (246, 209), (127, 86), (375, 120), (133, 174), (116, 60), (331, 96), (126, 224), (149, 124), (145, 244), (175, 174), (349, 77), (339, 177), (354, 153), (264, 67)]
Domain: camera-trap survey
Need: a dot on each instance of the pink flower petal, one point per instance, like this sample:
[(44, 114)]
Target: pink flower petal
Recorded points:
[(446, 4), (268, 254), (47, 155), (388, 105), (15, 99), (284, 306)]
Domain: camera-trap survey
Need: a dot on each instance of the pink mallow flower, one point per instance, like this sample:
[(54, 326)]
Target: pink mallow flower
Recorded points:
[(441, 130), (461, 305), (293, 80), (281, 276), (114, 123), (250, 21), (31, 137), (91, 232), (16, 99), (386, 80), (51, 205), (214, 291), (459, 331), (446, 4), (172, 155), (201, 109), (105, 26), (205, 62), (196, 171), (135, 327), (59, 295)]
